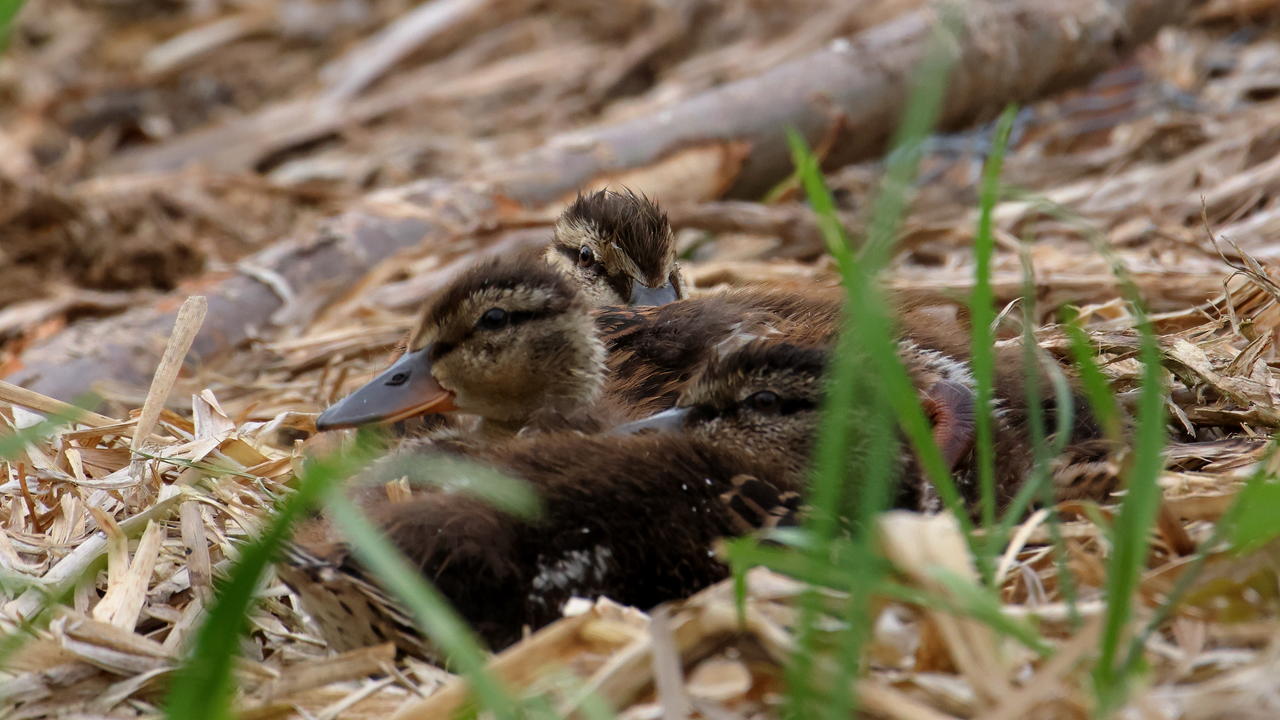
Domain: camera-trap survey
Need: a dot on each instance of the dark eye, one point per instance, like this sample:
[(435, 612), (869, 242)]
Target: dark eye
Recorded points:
[(585, 257), (492, 319), (764, 401)]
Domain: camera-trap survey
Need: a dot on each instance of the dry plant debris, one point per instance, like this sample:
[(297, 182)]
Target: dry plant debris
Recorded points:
[(164, 508), (128, 518)]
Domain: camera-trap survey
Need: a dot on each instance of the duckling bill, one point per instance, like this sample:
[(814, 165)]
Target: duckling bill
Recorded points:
[(404, 390)]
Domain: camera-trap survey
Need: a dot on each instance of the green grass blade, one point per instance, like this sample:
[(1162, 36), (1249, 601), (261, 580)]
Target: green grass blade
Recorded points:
[(1251, 521), (819, 571), (831, 454), (1039, 485), (207, 468), (9, 10), (1137, 515), (821, 201), (459, 475), (982, 313), (858, 559), (1134, 522), (1094, 384), (1227, 528), (866, 349), (203, 686)]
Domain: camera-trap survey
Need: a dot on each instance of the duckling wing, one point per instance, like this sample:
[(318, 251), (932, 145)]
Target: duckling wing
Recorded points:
[(617, 326), (756, 504), (654, 351)]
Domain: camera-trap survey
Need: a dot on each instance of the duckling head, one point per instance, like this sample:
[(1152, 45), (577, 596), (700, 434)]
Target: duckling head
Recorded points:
[(505, 340), (763, 401), (619, 248), (760, 401)]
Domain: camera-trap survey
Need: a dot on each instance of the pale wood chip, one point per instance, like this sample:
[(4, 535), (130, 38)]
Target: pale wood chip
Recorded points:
[(918, 545), (192, 614), (667, 674), (123, 602), (210, 419), (117, 549), (196, 544), (352, 665), (70, 568)]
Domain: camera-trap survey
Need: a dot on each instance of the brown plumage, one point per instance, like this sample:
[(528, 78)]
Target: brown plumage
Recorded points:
[(632, 517), (654, 352), (1086, 469), (517, 344), (619, 249), (509, 340)]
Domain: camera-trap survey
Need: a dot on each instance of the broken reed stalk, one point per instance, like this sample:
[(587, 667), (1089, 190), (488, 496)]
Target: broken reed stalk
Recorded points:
[(186, 325)]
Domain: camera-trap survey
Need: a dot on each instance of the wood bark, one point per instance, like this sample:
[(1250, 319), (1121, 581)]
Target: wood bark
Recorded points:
[(846, 98)]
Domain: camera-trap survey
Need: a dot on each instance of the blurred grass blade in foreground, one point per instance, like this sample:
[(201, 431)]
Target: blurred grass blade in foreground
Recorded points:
[(203, 685)]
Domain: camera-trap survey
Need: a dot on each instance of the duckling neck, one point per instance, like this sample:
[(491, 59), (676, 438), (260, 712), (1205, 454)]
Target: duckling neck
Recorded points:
[(563, 400), (570, 387), (494, 430)]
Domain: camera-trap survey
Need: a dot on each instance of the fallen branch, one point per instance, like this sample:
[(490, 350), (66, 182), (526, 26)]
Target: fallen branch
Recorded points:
[(725, 142), (363, 65), (795, 224)]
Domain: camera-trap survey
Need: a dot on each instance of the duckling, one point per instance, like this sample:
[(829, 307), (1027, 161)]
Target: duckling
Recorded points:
[(946, 388), (633, 517), (619, 248)]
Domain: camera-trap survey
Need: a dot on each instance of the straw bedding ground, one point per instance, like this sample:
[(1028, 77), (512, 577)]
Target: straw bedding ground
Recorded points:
[(127, 519)]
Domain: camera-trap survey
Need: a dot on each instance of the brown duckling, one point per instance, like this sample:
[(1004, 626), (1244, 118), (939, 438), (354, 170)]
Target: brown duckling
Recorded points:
[(936, 359), (632, 517), (947, 393), (619, 249)]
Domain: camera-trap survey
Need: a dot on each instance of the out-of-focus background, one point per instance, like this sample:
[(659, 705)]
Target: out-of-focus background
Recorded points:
[(316, 168), (156, 145)]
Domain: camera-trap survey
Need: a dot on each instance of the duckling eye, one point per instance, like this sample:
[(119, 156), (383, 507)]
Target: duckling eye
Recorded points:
[(586, 258), (492, 319), (765, 401)]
